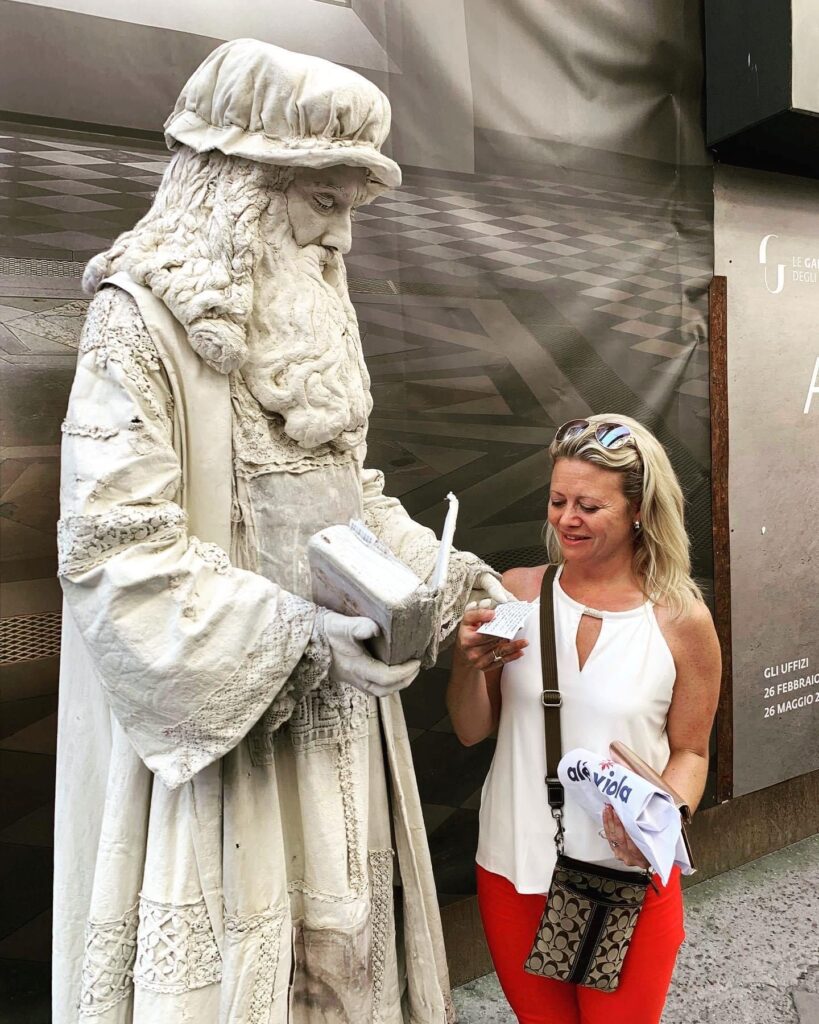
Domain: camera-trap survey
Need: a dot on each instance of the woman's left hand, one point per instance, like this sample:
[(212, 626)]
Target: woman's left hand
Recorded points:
[(621, 846)]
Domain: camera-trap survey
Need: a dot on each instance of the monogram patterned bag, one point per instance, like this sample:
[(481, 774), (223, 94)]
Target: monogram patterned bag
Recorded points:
[(587, 925), (591, 911)]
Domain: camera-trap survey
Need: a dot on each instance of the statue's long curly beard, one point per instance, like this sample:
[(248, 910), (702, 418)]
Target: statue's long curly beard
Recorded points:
[(304, 352), (217, 248), (197, 246)]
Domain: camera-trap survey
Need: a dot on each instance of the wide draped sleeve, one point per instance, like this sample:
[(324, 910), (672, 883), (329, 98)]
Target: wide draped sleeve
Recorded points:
[(190, 649), (417, 546)]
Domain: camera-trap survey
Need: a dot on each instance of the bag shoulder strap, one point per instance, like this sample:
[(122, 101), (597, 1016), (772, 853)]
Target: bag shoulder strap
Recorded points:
[(550, 697)]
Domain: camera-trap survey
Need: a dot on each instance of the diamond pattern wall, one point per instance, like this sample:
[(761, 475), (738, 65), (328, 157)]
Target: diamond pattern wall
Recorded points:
[(492, 309)]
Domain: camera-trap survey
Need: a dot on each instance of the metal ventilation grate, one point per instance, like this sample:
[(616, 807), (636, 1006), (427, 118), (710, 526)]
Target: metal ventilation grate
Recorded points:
[(514, 557), (29, 637), (11, 266), (371, 286)]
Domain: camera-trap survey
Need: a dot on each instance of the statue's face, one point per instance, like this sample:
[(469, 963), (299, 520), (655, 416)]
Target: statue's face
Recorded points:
[(320, 205)]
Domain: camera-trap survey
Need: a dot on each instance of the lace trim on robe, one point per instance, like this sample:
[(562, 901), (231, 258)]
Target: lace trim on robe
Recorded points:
[(381, 918), (319, 718), (88, 430), (212, 555), (464, 567), (311, 671), (176, 948), (211, 730), (264, 932), (83, 542), (108, 964), (115, 331), (260, 444), (163, 947), (356, 868)]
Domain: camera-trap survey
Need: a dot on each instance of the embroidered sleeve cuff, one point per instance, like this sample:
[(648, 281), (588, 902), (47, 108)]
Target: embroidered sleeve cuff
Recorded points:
[(464, 569), (229, 713), (310, 672)]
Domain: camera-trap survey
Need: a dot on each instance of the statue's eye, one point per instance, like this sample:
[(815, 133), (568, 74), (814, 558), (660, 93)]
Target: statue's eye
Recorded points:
[(323, 201)]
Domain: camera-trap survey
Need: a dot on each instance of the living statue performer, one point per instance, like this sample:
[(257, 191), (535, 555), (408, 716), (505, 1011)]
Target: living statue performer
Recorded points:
[(230, 823)]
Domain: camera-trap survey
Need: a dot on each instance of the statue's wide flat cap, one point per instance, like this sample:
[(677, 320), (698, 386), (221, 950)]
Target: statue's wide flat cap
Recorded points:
[(260, 102)]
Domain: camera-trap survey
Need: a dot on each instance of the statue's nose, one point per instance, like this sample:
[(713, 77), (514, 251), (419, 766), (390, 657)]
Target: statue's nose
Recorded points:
[(338, 236)]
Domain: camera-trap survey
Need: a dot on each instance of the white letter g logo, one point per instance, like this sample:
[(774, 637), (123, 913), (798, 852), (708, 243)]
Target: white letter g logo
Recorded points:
[(780, 267)]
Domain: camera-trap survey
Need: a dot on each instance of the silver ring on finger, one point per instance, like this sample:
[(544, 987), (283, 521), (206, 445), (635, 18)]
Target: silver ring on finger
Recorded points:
[(613, 844), (496, 655)]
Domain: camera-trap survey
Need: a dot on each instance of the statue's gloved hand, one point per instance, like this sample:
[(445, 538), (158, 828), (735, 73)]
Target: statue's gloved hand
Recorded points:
[(352, 663), (488, 591)]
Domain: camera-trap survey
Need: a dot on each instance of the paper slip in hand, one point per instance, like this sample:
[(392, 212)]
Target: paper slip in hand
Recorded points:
[(509, 619)]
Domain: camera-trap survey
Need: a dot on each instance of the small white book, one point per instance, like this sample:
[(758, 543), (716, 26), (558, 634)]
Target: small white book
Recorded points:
[(354, 573)]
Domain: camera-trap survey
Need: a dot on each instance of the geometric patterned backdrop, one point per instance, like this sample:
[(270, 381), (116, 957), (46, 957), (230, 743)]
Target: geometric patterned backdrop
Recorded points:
[(492, 308)]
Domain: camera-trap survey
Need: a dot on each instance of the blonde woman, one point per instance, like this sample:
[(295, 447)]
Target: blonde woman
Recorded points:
[(638, 661)]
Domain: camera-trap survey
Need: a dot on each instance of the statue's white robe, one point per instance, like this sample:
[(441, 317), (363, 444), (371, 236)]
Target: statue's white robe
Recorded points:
[(229, 827)]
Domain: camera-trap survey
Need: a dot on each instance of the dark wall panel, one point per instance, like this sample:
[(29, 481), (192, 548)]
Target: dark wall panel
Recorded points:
[(544, 267)]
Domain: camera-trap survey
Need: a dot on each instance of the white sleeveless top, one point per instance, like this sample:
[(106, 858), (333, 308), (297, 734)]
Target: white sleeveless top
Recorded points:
[(623, 693)]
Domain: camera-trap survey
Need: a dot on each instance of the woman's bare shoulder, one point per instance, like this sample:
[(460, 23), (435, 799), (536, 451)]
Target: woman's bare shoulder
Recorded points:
[(689, 630), (694, 620), (524, 581)]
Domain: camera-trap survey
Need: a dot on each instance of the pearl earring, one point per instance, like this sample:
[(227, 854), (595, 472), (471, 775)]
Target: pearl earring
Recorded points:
[(637, 526)]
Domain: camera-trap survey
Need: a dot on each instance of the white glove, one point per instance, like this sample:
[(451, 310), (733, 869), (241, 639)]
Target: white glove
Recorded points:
[(488, 592), (351, 662)]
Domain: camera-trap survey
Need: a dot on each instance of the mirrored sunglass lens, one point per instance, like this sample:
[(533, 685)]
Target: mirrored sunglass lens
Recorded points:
[(612, 435), (570, 429)]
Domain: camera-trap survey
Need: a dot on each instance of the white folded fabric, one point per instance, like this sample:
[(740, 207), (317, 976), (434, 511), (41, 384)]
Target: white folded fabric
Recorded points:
[(648, 814)]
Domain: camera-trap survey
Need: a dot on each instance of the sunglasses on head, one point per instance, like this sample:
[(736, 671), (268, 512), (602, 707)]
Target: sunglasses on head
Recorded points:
[(608, 435)]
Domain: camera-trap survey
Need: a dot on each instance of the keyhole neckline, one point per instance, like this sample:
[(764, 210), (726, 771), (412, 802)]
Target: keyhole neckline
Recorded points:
[(601, 613)]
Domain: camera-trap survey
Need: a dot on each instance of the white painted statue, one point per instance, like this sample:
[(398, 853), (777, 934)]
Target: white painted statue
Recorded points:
[(230, 823)]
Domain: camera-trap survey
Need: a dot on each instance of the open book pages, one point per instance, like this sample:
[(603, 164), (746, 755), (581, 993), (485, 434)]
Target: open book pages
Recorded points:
[(356, 574)]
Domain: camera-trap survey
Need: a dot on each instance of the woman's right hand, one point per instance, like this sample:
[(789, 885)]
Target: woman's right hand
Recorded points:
[(482, 651)]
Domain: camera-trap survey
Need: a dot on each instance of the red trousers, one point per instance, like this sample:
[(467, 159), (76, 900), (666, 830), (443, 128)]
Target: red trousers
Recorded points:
[(510, 921)]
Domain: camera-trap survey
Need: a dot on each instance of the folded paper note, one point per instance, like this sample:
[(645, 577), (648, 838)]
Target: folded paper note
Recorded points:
[(509, 619), (356, 574)]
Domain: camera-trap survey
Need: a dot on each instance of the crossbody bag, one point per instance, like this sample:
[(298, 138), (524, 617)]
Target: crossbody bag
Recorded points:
[(591, 911)]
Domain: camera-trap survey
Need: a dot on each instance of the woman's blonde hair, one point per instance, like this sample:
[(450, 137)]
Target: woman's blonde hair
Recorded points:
[(661, 559)]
